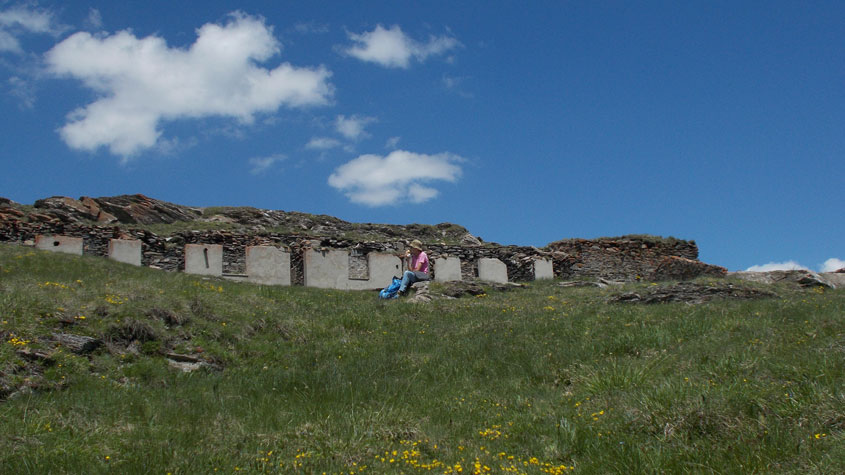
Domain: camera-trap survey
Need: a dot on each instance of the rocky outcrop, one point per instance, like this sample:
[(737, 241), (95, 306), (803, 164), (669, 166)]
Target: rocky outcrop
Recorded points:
[(802, 278), (691, 292), (9, 214), (459, 289), (100, 215), (132, 209), (680, 268), (142, 210), (836, 279), (69, 210), (124, 209)]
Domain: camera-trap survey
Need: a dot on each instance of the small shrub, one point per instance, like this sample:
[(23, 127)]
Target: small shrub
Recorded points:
[(132, 330), (169, 318), (151, 347)]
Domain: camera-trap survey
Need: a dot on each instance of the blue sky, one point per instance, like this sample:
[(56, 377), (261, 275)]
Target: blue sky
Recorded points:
[(526, 122)]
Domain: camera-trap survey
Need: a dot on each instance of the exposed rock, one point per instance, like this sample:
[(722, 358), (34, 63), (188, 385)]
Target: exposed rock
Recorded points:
[(183, 358), (680, 268), (66, 209), (189, 363), (803, 278), (836, 279), (6, 202), (99, 215), (36, 355), (184, 366), (458, 289), (69, 210), (600, 283), (43, 218), (77, 343), (814, 280), (422, 293), (581, 283), (505, 286), (8, 214), (140, 209), (470, 240), (690, 292), (219, 218)]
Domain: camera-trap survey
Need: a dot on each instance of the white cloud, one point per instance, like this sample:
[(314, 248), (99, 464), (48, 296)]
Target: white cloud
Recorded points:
[(94, 20), (420, 194), (788, 265), (9, 42), (401, 176), (35, 21), (451, 82), (392, 48), (454, 84), (322, 143), (20, 19), (311, 28), (23, 91), (172, 146), (832, 265), (262, 164), (353, 127), (392, 142), (142, 82)]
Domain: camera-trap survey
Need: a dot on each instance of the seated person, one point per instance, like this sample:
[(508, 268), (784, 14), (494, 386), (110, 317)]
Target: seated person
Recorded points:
[(417, 265)]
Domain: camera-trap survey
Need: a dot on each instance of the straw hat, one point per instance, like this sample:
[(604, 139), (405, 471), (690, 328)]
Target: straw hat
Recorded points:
[(416, 244)]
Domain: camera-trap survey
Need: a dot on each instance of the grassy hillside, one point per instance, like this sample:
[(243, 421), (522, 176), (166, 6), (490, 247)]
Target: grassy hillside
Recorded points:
[(543, 379)]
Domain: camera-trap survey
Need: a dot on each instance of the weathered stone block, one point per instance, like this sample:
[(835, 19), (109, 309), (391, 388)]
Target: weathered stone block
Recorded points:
[(447, 269), (543, 269), (329, 269), (64, 244), (267, 265), (382, 269), (492, 270), (204, 259), (326, 269), (127, 251)]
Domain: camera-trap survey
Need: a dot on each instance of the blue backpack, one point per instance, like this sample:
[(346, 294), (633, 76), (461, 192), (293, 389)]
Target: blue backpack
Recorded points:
[(392, 290)]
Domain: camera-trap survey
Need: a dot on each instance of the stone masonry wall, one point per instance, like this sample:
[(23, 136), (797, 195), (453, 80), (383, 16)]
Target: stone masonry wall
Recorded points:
[(617, 259)]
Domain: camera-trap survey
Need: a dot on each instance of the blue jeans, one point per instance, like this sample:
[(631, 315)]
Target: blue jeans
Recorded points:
[(409, 277)]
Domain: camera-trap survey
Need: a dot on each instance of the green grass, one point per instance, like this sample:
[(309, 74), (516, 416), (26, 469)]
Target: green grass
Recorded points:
[(536, 380)]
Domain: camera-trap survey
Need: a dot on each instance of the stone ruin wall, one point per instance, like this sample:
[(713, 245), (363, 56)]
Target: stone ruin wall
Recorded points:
[(615, 259)]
